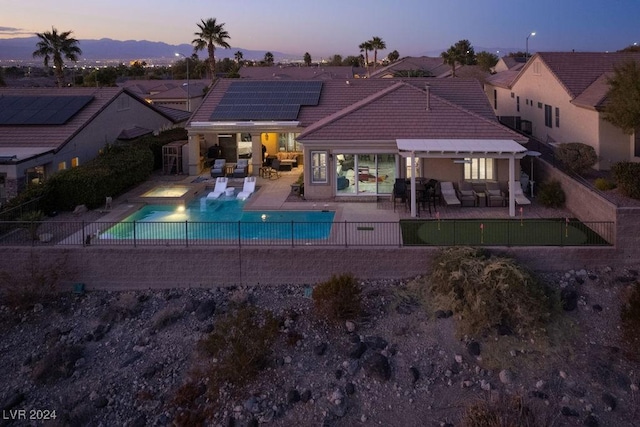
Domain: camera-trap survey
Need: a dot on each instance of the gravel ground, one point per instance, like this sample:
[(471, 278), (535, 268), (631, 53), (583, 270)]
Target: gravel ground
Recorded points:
[(124, 358)]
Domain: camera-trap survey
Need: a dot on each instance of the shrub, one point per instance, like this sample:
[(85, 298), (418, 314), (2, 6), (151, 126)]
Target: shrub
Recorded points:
[(627, 176), (604, 184), (576, 156), (630, 322), (487, 292), (241, 344), (338, 298), (31, 222), (551, 194), (57, 364)]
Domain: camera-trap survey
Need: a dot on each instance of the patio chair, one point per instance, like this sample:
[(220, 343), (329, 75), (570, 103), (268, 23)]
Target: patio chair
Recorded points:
[(399, 192), (495, 196), (519, 196), (221, 186), (248, 188), (449, 193), (217, 170), (242, 169), (467, 194), (273, 170)]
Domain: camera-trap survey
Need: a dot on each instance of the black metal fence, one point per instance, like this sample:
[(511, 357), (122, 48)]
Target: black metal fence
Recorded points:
[(304, 234)]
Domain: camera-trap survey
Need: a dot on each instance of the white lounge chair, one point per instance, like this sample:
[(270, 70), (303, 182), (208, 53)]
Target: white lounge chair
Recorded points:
[(449, 193), (221, 185), (248, 188), (519, 196)]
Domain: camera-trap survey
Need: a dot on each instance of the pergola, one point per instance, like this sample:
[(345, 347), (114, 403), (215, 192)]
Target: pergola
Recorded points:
[(462, 149)]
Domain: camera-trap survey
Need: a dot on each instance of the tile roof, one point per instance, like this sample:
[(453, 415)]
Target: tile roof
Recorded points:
[(339, 94), (297, 72), (503, 79), (404, 110), (576, 71), (51, 137), (434, 65)]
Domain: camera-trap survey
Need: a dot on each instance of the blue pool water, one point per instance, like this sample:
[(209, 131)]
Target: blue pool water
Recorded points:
[(222, 218)]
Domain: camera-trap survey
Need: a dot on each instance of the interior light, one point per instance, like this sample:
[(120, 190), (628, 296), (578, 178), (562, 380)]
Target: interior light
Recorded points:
[(180, 208)]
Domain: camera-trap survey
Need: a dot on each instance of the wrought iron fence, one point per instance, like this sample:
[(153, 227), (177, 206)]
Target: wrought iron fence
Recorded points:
[(512, 232)]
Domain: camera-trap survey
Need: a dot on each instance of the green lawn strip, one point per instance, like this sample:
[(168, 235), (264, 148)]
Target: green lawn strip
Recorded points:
[(496, 232)]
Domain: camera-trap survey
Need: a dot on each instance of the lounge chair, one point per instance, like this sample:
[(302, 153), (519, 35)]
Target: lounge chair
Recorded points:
[(467, 194), (449, 193), (248, 188), (219, 189), (495, 196), (217, 170), (519, 196), (242, 169)]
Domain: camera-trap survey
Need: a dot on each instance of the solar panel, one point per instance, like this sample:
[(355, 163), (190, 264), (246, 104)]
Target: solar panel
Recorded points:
[(266, 100), (40, 110)]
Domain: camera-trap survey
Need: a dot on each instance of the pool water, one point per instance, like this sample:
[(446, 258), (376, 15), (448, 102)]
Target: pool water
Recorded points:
[(222, 218)]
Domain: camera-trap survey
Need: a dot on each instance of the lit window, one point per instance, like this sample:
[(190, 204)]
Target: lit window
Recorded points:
[(75, 162), (62, 166), (318, 166), (479, 169)]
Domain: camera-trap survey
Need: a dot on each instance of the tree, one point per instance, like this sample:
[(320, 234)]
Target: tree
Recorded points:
[(211, 34), (268, 59), (353, 61), (623, 98), (307, 59), (460, 53), (238, 55), (518, 54), (487, 60), (634, 48), (393, 56), (366, 48), (377, 44), (56, 46)]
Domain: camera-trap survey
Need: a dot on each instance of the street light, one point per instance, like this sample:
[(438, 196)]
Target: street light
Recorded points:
[(188, 92), (526, 55)]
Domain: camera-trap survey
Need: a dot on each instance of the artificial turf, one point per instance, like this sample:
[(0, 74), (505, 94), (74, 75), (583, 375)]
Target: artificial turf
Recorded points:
[(498, 232)]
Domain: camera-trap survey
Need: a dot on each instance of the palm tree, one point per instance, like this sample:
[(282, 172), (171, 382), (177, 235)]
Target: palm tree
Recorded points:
[(54, 46), (211, 34), (238, 55), (307, 59), (268, 59), (366, 48), (377, 44)]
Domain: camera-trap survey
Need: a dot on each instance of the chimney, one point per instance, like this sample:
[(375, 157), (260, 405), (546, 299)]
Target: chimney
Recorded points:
[(427, 90)]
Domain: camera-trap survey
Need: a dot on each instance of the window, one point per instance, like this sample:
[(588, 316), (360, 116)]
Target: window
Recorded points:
[(540, 105), (547, 116), (495, 99), (479, 169), (517, 103), (287, 142), (75, 162), (62, 166), (512, 94), (319, 167), (557, 117)]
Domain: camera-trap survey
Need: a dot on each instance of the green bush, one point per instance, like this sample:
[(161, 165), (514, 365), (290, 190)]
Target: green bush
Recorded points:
[(487, 292), (576, 156), (551, 194), (604, 184), (627, 176), (338, 298)]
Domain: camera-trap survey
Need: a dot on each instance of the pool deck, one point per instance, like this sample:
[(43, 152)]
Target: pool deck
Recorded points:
[(275, 194)]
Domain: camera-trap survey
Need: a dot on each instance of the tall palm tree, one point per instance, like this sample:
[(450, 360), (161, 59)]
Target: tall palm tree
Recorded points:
[(56, 46), (377, 44), (238, 55), (450, 58), (211, 34), (366, 48)]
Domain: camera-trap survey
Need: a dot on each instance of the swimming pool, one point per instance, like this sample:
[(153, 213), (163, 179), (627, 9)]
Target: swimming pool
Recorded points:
[(222, 218)]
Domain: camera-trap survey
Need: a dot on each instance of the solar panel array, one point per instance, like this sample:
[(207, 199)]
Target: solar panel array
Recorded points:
[(272, 100), (40, 110)]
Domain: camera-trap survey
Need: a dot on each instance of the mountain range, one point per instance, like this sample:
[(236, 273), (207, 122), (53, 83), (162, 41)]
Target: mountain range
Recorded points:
[(21, 50)]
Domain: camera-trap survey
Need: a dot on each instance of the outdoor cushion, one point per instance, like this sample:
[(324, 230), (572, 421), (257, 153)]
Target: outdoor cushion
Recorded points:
[(466, 192)]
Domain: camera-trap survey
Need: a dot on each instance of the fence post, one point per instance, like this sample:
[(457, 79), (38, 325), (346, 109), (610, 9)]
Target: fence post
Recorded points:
[(83, 236)]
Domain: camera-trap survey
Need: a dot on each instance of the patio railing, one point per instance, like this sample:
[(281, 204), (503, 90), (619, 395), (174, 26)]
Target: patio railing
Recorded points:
[(305, 234)]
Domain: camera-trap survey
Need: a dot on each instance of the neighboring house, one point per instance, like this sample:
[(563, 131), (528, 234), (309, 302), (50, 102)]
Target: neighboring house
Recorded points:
[(410, 66), (44, 130), (357, 136), (513, 63), (296, 72), (176, 94), (560, 96)]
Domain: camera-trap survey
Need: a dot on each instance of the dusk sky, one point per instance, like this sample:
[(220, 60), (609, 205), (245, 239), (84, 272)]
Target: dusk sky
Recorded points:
[(327, 27)]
